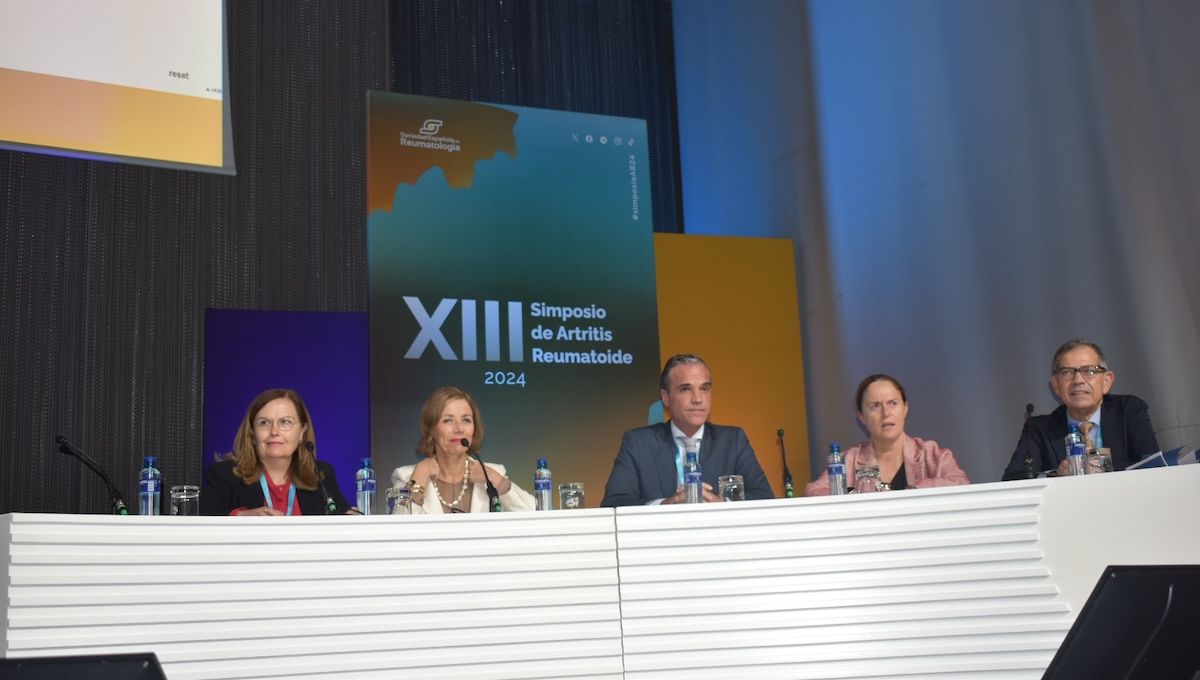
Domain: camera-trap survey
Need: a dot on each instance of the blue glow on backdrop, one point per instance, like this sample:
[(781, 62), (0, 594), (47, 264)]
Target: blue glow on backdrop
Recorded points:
[(968, 185)]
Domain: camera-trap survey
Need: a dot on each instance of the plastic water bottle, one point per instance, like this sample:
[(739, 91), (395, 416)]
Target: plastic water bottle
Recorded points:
[(150, 487), (693, 492), (1076, 450), (836, 466), (543, 483), (364, 484)]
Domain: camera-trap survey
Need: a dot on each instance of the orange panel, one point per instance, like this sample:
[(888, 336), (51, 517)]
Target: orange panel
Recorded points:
[(732, 300), (65, 113)]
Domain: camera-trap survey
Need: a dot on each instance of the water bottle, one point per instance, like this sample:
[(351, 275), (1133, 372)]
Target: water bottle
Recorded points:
[(1076, 450), (836, 466), (150, 487), (543, 483), (364, 483), (693, 491)]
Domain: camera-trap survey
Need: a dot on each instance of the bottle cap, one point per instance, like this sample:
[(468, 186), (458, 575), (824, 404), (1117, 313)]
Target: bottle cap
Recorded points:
[(366, 462), (835, 447), (691, 456), (542, 463), (149, 461)]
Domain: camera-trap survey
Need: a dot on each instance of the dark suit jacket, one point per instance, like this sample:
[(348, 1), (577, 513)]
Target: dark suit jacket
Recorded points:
[(224, 492), (645, 467), (1125, 429)]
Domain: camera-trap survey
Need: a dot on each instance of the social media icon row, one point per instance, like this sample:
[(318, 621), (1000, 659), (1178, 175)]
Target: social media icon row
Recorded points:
[(602, 139)]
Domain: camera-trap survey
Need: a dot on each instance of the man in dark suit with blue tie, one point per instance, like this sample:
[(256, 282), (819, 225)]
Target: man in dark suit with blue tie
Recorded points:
[(649, 470)]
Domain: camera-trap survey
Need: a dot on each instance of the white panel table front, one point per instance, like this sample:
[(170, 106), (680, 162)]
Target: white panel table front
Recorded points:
[(957, 581), (978, 582), (451, 596)]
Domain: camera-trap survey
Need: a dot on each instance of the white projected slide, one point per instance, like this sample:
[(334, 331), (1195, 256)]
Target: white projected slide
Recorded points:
[(148, 44), (132, 79)]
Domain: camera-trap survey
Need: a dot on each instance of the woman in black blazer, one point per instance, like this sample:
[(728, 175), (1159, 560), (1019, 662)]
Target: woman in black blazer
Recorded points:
[(273, 470)]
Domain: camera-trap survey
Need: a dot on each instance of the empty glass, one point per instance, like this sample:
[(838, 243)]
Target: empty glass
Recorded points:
[(185, 500), (1098, 461), (866, 478), (570, 496), (399, 501), (731, 487)]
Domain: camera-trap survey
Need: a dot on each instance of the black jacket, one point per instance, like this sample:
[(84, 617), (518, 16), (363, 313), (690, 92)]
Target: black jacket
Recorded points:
[(1125, 430), (224, 492)]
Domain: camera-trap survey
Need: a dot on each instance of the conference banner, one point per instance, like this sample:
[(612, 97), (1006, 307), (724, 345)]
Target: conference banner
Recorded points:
[(510, 254)]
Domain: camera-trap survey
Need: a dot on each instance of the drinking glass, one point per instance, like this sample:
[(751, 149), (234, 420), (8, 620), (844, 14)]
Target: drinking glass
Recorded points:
[(866, 478), (570, 496), (1098, 461), (185, 500), (732, 487), (399, 501)]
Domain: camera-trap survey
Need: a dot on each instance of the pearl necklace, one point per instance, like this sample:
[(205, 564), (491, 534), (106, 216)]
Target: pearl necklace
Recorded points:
[(461, 492)]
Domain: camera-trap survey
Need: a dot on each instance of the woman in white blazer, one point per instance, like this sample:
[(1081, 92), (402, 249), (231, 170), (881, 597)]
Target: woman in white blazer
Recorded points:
[(449, 479)]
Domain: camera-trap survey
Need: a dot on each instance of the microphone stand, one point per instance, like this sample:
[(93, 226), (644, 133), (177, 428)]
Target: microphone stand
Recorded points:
[(1029, 452), (788, 491), (493, 495), (330, 506), (118, 502)]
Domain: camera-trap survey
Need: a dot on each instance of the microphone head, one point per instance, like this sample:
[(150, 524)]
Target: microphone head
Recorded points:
[(60, 440), (465, 442), (311, 446), (780, 433)]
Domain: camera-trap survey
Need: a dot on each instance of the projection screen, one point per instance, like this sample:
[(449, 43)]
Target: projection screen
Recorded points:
[(139, 81)]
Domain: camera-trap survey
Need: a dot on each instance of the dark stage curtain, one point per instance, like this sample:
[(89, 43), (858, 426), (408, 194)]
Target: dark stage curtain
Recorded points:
[(610, 57)]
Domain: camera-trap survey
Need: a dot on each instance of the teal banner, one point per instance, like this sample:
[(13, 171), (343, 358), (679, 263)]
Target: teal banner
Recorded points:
[(511, 255)]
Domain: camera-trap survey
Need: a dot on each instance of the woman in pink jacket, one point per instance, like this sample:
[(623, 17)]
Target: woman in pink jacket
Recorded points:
[(904, 462)]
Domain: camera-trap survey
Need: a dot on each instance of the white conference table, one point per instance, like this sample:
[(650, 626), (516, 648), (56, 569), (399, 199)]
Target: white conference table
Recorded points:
[(981, 581)]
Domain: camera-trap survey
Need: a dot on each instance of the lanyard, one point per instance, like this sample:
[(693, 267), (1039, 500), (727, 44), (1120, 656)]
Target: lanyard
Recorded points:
[(262, 480)]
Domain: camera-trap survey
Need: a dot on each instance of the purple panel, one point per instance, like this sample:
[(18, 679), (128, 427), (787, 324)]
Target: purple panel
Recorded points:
[(321, 355)]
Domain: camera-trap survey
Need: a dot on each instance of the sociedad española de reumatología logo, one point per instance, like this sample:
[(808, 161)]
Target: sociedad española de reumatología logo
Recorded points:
[(427, 137)]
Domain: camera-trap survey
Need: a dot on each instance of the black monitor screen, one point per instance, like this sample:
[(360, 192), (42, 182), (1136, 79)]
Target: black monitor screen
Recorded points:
[(143, 666), (1140, 623)]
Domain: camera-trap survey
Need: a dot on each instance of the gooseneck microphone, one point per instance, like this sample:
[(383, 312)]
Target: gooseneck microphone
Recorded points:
[(330, 506), (1029, 474), (788, 491), (117, 500), (493, 496)]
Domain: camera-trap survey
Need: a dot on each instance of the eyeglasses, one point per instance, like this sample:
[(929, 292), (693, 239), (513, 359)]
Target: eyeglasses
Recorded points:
[(1065, 373), (284, 424)]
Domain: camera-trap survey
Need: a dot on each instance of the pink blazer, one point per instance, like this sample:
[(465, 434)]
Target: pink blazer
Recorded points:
[(925, 464)]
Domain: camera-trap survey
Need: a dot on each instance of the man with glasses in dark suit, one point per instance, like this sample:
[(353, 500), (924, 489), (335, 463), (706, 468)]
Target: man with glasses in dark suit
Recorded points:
[(1080, 377)]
